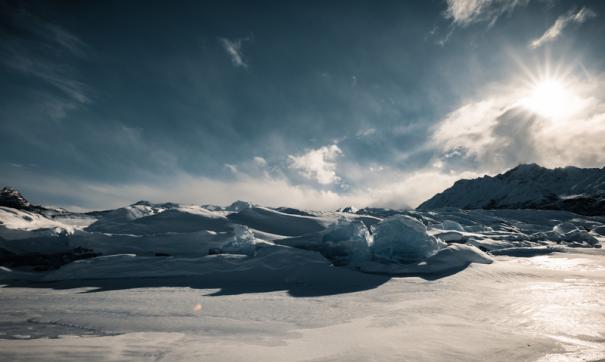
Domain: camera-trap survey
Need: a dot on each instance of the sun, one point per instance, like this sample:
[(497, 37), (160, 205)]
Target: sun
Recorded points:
[(551, 99)]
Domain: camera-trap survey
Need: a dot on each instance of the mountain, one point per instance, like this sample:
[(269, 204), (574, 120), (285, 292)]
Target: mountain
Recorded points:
[(529, 186), (10, 197)]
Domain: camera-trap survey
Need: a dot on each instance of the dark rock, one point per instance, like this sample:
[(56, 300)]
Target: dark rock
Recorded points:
[(10, 197)]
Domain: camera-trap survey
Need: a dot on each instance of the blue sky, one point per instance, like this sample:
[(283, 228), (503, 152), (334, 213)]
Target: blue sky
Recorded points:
[(309, 104)]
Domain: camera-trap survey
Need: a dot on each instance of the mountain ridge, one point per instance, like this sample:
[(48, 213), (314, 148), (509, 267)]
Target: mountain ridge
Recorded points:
[(528, 186)]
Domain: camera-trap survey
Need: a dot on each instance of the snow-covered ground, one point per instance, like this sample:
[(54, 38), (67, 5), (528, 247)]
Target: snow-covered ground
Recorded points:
[(545, 308), (185, 282)]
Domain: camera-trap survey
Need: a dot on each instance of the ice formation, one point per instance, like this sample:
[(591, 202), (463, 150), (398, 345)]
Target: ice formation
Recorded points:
[(242, 242), (402, 239), (351, 238)]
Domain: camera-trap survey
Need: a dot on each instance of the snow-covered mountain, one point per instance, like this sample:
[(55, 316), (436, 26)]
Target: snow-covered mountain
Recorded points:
[(580, 190)]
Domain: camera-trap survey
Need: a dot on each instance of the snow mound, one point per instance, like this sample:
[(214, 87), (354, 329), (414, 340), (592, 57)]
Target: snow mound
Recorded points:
[(403, 239), (214, 268), (193, 244), (276, 222), (175, 220)]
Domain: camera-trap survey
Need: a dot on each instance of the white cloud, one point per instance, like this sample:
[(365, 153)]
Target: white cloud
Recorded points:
[(398, 190), (466, 12), (231, 168), (183, 188), (365, 132), (560, 24), (318, 164), (496, 132), (259, 161), (234, 49)]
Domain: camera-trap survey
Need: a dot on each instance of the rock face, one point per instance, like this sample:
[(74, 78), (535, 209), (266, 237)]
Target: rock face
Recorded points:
[(580, 190), (10, 197)]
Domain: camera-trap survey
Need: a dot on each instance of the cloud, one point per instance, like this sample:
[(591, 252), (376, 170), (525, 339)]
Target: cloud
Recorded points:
[(318, 164), (259, 161), (65, 39), (45, 51), (466, 12), (560, 24), (182, 188), (392, 189), (234, 49), (52, 74), (232, 168), (497, 132), (53, 35)]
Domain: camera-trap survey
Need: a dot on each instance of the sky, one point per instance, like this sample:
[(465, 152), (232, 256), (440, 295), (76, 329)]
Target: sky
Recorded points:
[(309, 104)]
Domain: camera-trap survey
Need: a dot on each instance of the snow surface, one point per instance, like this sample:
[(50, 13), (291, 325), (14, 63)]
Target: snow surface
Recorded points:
[(545, 308), (174, 282)]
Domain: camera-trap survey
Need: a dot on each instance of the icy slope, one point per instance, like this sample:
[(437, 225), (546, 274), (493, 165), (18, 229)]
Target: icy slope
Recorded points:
[(529, 187)]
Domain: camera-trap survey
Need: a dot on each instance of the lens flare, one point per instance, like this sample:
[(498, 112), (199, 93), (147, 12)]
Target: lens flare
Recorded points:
[(197, 309)]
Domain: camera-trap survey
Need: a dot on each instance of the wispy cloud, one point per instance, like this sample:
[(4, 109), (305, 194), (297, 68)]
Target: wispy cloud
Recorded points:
[(65, 39), (234, 50), (232, 168), (46, 52), (318, 164), (466, 12), (560, 24), (54, 36), (51, 73)]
